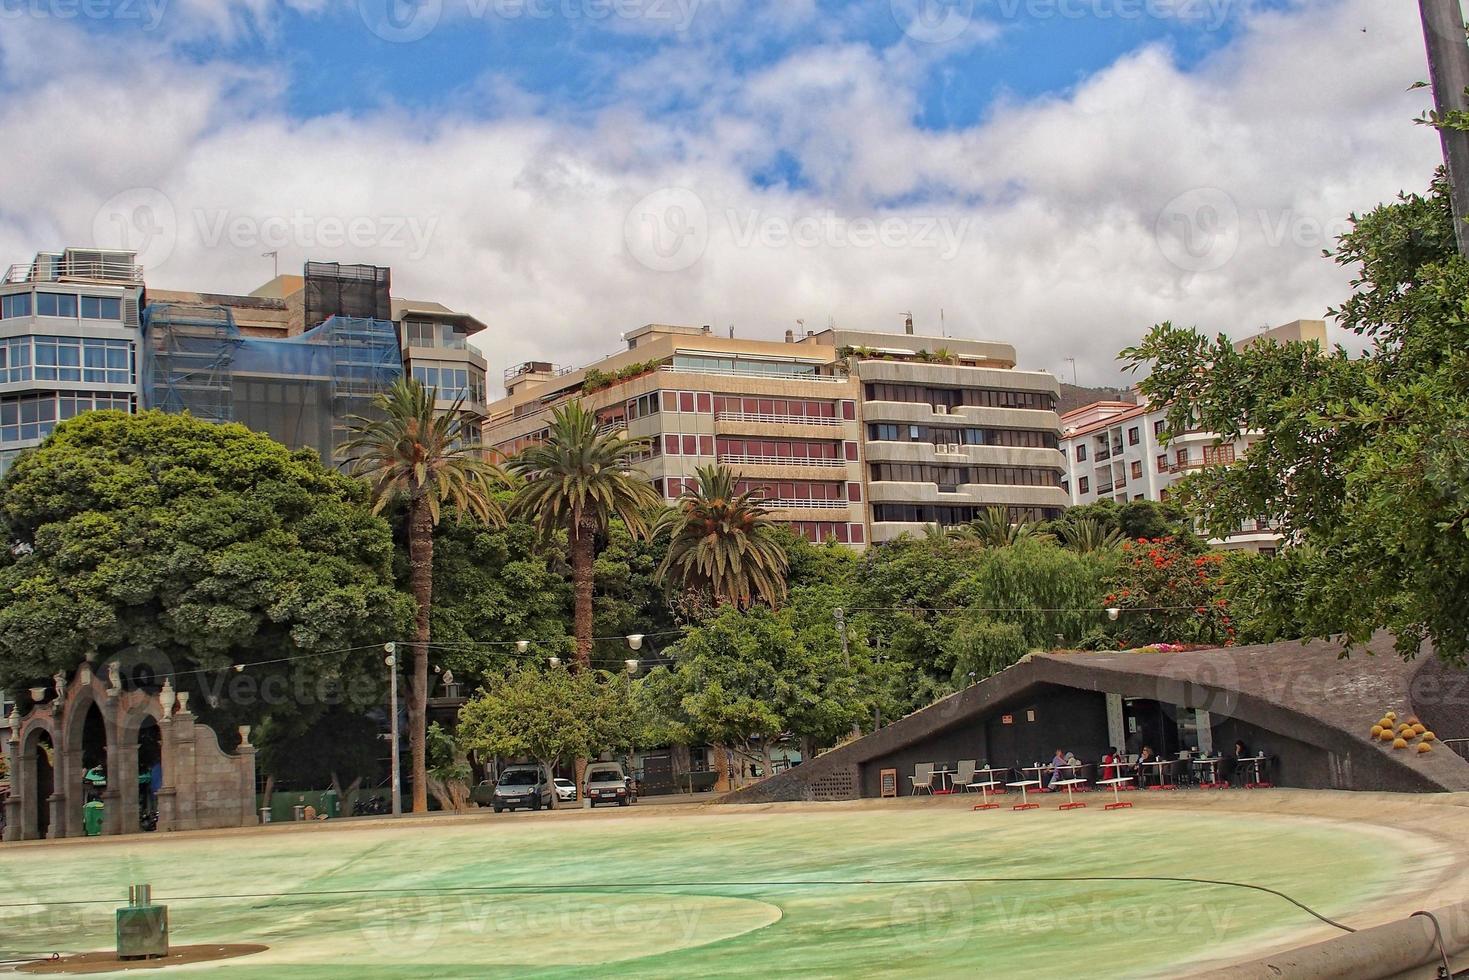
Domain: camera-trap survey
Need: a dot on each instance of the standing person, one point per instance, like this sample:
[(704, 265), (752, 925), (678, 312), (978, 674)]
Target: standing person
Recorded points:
[(1234, 760)]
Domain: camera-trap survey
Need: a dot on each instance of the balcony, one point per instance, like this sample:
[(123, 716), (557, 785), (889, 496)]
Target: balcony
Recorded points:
[(1186, 467), (1102, 455), (762, 375), (74, 270), (776, 419), (616, 425), (746, 458), (778, 504), (1104, 488)]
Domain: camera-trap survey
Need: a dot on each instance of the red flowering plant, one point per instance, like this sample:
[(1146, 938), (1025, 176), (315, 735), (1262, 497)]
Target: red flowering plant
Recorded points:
[(1168, 593)]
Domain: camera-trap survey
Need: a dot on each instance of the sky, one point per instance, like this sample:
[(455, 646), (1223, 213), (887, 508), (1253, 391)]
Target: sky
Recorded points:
[(1056, 174)]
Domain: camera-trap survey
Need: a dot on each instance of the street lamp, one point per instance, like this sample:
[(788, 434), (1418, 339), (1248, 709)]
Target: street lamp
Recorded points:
[(632, 666), (635, 641), (554, 661), (522, 645), (1113, 613), (390, 649)]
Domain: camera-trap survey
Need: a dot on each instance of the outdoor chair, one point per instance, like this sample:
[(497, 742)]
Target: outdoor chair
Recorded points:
[(922, 778), (965, 775)]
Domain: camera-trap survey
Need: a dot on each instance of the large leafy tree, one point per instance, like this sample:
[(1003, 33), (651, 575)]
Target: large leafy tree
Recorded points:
[(166, 541), (576, 480), (723, 544), (425, 460), (548, 715), (1365, 459)]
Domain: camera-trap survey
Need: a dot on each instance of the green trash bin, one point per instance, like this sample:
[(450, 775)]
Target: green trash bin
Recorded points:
[(92, 814), (331, 804)]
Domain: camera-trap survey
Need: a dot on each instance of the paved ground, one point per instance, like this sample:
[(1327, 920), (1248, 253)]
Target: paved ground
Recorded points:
[(862, 889)]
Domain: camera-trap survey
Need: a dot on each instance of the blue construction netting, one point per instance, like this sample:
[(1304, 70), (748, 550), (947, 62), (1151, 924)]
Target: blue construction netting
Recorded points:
[(300, 390)]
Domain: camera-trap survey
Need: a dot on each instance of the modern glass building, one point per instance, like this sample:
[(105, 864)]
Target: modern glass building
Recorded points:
[(68, 341)]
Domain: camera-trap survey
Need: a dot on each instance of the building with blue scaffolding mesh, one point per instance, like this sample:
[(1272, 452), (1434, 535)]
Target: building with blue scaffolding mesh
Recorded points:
[(301, 391)]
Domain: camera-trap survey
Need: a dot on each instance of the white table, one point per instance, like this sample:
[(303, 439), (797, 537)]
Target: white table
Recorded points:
[(985, 788), (1023, 785), (1163, 782), (1070, 784), (1040, 774), (946, 781), (1258, 764), (1212, 765), (1116, 784)]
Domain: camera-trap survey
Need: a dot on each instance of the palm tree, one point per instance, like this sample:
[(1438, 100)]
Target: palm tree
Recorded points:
[(1089, 535), (992, 528), (724, 543), (577, 480), (425, 459)]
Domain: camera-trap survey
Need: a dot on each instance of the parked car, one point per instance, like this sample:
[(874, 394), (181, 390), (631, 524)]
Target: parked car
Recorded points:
[(607, 783), (523, 786), (565, 790)]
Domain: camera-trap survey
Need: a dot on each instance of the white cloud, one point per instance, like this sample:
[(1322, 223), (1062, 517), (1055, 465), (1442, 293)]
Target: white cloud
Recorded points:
[(519, 218)]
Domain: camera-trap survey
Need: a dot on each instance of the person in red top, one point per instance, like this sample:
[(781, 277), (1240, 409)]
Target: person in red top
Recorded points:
[(1111, 764)]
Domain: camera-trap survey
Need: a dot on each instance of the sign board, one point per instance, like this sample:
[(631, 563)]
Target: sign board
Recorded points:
[(1030, 715), (1007, 719), (888, 778)]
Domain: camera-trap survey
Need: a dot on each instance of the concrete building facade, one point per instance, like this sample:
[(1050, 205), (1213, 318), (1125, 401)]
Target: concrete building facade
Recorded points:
[(849, 435)]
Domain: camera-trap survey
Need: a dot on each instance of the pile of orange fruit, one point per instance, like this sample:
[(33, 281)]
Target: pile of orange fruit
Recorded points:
[(1403, 734)]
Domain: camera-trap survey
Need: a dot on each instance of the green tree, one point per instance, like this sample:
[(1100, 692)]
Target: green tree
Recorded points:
[(1365, 459), (1131, 519), (723, 544), (1089, 535), (425, 460), (994, 529), (195, 547), (1170, 594), (550, 716), (576, 481)]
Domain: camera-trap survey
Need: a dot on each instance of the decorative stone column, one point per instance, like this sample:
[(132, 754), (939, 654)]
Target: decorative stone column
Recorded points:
[(246, 756)]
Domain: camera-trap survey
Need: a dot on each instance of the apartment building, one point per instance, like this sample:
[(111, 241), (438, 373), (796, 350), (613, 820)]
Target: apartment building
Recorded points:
[(81, 330), (1123, 451), (69, 335), (850, 435), (951, 428), (781, 415)]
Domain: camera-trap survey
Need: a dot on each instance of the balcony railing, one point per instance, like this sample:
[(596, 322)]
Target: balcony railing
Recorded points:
[(780, 461), (1104, 488), (63, 271), (607, 428), (804, 504), (1192, 464), (736, 373), (1103, 455), (775, 419)]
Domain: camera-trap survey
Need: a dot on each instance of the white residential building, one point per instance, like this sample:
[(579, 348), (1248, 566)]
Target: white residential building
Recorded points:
[(1122, 451), (68, 341)]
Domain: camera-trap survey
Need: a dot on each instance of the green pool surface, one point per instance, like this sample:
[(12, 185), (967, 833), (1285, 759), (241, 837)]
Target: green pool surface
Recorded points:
[(724, 892)]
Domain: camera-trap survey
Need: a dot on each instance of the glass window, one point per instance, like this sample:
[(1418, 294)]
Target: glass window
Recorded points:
[(1083, 485), (18, 304), (1081, 452), (56, 304), (101, 308), (1133, 436)]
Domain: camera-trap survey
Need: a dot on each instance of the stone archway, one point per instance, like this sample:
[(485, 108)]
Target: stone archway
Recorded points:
[(87, 720)]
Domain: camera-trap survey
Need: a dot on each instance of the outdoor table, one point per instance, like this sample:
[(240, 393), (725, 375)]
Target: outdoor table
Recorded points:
[(1040, 775), (985, 788), (1116, 784), (1022, 785), (1071, 803), (945, 777), (1163, 782), (1258, 764), (991, 774), (1212, 766)]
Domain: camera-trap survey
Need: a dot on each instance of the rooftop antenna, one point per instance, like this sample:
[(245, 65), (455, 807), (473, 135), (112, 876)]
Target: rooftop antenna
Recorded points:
[(907, 322), (731, 331), (943, 324), (275, 255), (1072, 362)]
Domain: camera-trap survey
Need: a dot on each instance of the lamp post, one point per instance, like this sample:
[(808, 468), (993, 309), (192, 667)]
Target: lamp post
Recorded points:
[(392, 661)]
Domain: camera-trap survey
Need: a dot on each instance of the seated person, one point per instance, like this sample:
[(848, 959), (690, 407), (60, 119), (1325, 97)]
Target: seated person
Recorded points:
[(1112, 763), (1232, 768), (1138, 772), (1058, 770)]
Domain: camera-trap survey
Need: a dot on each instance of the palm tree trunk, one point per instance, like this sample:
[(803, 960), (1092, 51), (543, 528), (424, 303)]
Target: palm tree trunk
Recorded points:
[(583, 539), (421, 582)]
